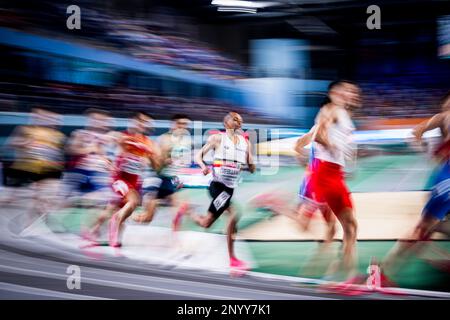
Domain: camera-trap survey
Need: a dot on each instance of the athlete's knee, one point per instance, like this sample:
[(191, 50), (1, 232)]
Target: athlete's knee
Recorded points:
[(132, 201), (420, 233), (332, 228), (132, 204), (232, 221), (355, 225), (350, 227), (424, 228), (208, 220)]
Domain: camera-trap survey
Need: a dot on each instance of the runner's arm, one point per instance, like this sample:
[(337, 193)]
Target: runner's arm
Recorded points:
[(250, 162), (211, 144), (155, 157), (304, 140), (323, 125), (165, 148), (435, 122)]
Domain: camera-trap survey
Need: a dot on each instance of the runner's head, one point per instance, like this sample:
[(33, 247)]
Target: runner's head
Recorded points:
[(40, 116), (141, 122), (98, 120), (344, 93), (180, 123), (446, 102), (232, 121)]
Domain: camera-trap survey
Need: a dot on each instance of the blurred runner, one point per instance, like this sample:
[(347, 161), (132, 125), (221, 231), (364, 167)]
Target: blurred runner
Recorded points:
[(137, 152), (334, 146), (231, 153), (308, 203), (39, 158), (437, 208), (89, 165), (87, 179), (176, 148)]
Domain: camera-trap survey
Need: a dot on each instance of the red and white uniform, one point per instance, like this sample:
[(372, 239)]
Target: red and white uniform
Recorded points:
[(131, 163), (328, 176)]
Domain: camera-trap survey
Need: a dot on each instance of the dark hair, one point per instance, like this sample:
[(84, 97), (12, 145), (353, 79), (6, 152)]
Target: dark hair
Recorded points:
[(90, 111), (142, 113), (445, 97), (325, 101), (179, 116), (336, 83)]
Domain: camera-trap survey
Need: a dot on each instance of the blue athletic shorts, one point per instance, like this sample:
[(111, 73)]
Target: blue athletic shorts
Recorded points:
[(85, 181), (438, 206)]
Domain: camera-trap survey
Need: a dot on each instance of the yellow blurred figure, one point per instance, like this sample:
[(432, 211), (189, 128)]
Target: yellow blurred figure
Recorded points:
[(39, 147)]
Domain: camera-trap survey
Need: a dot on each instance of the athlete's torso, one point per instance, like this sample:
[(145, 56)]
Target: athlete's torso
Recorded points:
[(179, 152), (43, 152), (229, 158), (340, 136), (98, 160), (133, 159)]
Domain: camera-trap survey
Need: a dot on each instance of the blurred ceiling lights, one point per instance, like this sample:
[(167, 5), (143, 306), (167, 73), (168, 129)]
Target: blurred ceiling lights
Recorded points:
[(233, 9), (241, 6)]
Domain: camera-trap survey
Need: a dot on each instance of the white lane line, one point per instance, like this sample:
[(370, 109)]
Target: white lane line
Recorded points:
[(131, 276), (436, 294), (159, 289), (44, 292)]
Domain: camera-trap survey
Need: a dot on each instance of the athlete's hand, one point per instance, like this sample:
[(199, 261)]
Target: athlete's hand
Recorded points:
[(251, 167), (418, 133), (302, 156), (205, 171)]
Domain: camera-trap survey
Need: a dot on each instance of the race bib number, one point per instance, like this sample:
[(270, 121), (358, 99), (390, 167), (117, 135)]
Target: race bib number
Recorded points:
[(229, 173), (221, 199)]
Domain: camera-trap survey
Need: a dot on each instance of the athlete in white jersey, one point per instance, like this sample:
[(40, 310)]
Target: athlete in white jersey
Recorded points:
[(334, 145), (231, 153), (176, 148)]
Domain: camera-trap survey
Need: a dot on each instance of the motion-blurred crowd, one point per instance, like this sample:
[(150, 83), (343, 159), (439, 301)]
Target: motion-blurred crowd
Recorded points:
[(120, 101), (155, 40)]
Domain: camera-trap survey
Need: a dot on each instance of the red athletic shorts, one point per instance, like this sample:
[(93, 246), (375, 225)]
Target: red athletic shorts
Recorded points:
[(124, 182), (329, 185)]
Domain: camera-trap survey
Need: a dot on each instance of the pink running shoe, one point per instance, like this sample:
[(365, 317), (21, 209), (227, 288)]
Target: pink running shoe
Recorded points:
[(351, 287), (88, 235), (238, 267), (180, 213)]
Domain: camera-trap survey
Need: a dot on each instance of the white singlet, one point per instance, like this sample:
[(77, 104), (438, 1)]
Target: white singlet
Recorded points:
[(229, 159), (340, 136)]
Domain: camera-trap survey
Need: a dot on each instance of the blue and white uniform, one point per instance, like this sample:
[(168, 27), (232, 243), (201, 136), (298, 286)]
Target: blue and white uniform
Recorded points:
[(91, 172), (438, 206), (306, 192)]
